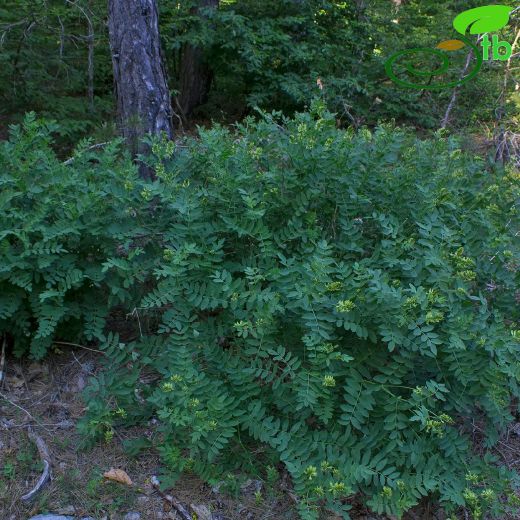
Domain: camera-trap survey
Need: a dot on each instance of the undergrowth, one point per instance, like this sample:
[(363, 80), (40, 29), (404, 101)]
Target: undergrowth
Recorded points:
[(346, 300)]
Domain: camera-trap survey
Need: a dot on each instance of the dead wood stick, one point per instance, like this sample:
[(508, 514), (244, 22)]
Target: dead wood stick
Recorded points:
[(92, 147), (46, 459), (171, 500), (5, 398), (19, 407), (446, 118), (68, 343)]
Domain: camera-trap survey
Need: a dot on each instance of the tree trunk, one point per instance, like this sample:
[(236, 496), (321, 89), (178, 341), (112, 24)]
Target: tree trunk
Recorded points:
[(143, 98), (195, 73)]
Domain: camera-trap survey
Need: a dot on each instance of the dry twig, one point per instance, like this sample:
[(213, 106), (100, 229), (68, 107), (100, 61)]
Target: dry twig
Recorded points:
[(23, 410), (92, 147), (176, 504), (46, 459), (17, 406), (67, 343)]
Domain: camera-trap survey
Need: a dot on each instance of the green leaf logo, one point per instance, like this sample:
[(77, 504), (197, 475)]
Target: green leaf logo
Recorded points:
[(487, 18)]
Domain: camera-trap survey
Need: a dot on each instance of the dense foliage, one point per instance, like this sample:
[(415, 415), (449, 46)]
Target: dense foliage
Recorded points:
[(319, 286), (345, 300), (59, 222), (272, 53), (55, 59)]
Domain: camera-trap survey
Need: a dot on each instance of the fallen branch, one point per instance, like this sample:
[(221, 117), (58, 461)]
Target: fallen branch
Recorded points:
[(176, 504), (19, 407), (68, 343), (46, 459), (92, 147)]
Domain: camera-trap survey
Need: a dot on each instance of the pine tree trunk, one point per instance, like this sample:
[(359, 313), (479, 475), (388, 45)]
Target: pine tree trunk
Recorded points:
[(195, 73), (143, 98)]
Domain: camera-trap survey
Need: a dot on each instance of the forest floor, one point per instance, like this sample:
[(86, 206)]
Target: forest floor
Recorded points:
[(47, 396)]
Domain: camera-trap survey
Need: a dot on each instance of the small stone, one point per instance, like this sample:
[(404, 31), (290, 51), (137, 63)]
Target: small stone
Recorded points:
[(132, 516), (51, 516), (203, 513), (87, 367), (7, 424), (80, 383), (216, 488)]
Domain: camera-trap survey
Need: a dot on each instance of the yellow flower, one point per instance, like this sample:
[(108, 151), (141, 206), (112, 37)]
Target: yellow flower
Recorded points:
[(387, 492), (337, 487), (146, 194), (434, 317), (329, 381), (334, 286), (345, 306), (310, 472), (167, 387), (121, 412), (468, 275)]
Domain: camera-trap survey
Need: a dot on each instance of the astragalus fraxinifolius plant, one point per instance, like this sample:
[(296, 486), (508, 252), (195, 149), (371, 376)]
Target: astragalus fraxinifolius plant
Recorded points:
[(346, 301), (60, 222)]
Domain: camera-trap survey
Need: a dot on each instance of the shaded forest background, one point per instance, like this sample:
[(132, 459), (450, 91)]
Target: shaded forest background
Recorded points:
[(55, 60)]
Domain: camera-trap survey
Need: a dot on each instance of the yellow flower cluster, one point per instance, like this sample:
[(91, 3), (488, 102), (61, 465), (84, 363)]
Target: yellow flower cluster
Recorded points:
[(345, 306)]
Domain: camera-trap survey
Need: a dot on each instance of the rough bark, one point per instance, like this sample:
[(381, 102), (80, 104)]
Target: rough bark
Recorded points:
[(195, 72), (143, 98)]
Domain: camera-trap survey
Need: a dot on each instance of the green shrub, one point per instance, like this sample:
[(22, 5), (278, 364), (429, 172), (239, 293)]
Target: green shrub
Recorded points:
[(349, 301), (346, 300), (59, 224)]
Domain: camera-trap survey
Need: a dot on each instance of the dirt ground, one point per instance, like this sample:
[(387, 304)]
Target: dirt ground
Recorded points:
[(47, 396)]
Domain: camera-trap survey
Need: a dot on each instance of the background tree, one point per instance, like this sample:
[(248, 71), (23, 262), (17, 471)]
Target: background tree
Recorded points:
[(196, 73), (143, 97)]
